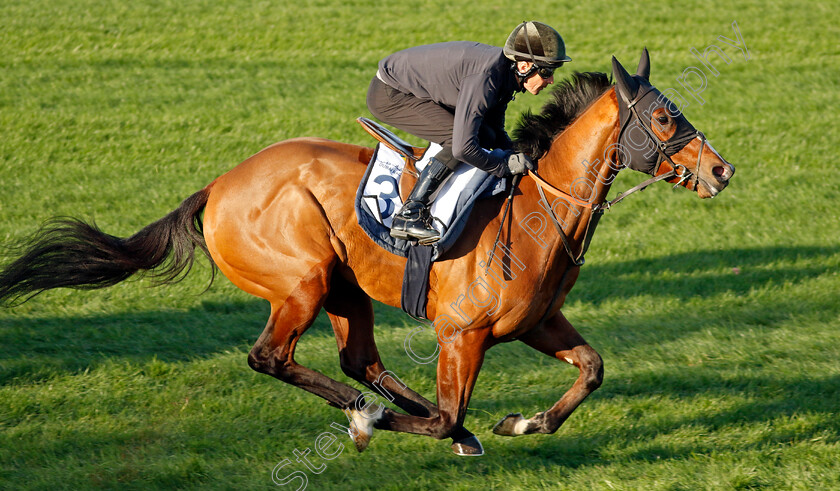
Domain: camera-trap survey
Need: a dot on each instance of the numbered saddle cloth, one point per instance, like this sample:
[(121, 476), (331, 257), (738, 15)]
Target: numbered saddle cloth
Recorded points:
[(378, 199)]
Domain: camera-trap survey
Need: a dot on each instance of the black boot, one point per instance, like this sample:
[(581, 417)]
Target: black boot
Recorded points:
[(413, 221)]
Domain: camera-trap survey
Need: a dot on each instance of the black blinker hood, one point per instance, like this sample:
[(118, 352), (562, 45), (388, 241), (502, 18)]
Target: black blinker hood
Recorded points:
[(641, 149)]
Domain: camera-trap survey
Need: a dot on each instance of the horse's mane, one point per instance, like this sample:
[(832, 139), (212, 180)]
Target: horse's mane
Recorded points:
[(534, 132)]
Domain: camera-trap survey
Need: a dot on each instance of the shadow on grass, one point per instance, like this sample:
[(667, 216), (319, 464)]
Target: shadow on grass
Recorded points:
[(750, 424), (33, 348), (38, 348), (697, 273), (762, 399)]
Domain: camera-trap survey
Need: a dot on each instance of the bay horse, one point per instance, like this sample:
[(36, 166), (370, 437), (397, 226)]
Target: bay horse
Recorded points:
[(281, 225)]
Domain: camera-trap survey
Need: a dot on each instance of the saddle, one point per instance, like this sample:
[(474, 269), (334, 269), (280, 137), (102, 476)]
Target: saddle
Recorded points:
[(410, 153), (388, 181), (391, 176)]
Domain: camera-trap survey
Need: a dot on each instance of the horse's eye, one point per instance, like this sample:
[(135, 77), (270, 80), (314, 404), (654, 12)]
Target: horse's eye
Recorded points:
[(662, 120)]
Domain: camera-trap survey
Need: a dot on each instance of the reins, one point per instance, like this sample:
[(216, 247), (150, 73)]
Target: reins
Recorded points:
[(594, 218), (677, 170), (597, 209)]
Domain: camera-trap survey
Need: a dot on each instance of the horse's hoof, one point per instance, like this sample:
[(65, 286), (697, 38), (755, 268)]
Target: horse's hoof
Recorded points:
[(361, 441), (468, 447), (510, 425), (361, 426)]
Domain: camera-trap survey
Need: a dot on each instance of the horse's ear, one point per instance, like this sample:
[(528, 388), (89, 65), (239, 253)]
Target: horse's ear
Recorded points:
[(644, 65), (623, 81)]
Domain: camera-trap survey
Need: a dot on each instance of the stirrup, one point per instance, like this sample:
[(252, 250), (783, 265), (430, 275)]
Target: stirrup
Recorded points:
[(414, 229), (401, 234)]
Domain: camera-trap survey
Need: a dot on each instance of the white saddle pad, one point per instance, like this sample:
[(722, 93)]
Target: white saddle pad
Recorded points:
[(381, 192)]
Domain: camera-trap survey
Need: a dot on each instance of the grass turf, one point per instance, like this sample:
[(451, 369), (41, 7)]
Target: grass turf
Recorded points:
[(717, 320)]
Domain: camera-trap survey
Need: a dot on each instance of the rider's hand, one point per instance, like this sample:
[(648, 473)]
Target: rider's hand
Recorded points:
[(517, 163)]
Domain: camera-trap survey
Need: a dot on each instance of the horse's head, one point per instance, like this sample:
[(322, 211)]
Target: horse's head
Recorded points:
[(656, 138)]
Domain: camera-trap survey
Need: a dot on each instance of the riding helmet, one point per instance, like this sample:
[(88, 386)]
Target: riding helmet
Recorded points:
[(536, 42)]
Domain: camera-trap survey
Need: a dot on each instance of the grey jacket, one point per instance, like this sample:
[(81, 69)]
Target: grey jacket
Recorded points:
[(475, 80)]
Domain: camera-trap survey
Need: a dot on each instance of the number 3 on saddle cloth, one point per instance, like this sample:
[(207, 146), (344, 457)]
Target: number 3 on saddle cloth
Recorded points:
[(388, 180)]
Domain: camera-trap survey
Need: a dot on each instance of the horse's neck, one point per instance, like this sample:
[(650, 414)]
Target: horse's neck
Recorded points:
[(578, 160)]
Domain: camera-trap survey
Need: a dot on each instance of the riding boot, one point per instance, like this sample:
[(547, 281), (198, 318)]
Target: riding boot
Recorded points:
[(413, 221)]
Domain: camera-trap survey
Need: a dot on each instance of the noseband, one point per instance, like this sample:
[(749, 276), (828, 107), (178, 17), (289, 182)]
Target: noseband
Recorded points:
[(664, 149)]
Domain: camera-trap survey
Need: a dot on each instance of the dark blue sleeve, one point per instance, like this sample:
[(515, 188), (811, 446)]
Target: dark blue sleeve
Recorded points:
[(495, 119), (477, 94)]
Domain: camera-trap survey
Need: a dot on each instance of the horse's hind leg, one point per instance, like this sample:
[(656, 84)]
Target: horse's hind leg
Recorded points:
[(557, 338), (273, 353), (351, 314)]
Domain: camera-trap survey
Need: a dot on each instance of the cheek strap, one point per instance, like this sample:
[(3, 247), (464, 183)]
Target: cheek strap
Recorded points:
[(664, 149)]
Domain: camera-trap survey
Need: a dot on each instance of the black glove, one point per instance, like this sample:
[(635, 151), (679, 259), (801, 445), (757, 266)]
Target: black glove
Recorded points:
[(517, 163)]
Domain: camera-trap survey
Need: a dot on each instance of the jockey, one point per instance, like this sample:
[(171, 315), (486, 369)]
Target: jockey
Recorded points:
[(456, 94)]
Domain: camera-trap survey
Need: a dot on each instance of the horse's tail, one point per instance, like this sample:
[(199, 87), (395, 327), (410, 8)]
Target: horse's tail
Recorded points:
[(68, 252)]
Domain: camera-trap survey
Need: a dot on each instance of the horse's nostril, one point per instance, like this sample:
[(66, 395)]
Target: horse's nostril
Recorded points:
[(719, 171)]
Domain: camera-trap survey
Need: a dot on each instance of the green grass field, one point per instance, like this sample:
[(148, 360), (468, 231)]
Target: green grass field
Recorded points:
[(717, 320)]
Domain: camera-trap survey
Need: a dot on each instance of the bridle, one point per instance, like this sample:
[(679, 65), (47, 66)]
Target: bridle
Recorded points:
[(664, 150)]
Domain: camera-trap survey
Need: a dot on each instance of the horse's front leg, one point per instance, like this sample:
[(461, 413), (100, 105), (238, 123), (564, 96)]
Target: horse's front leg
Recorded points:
[(557, 338)]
